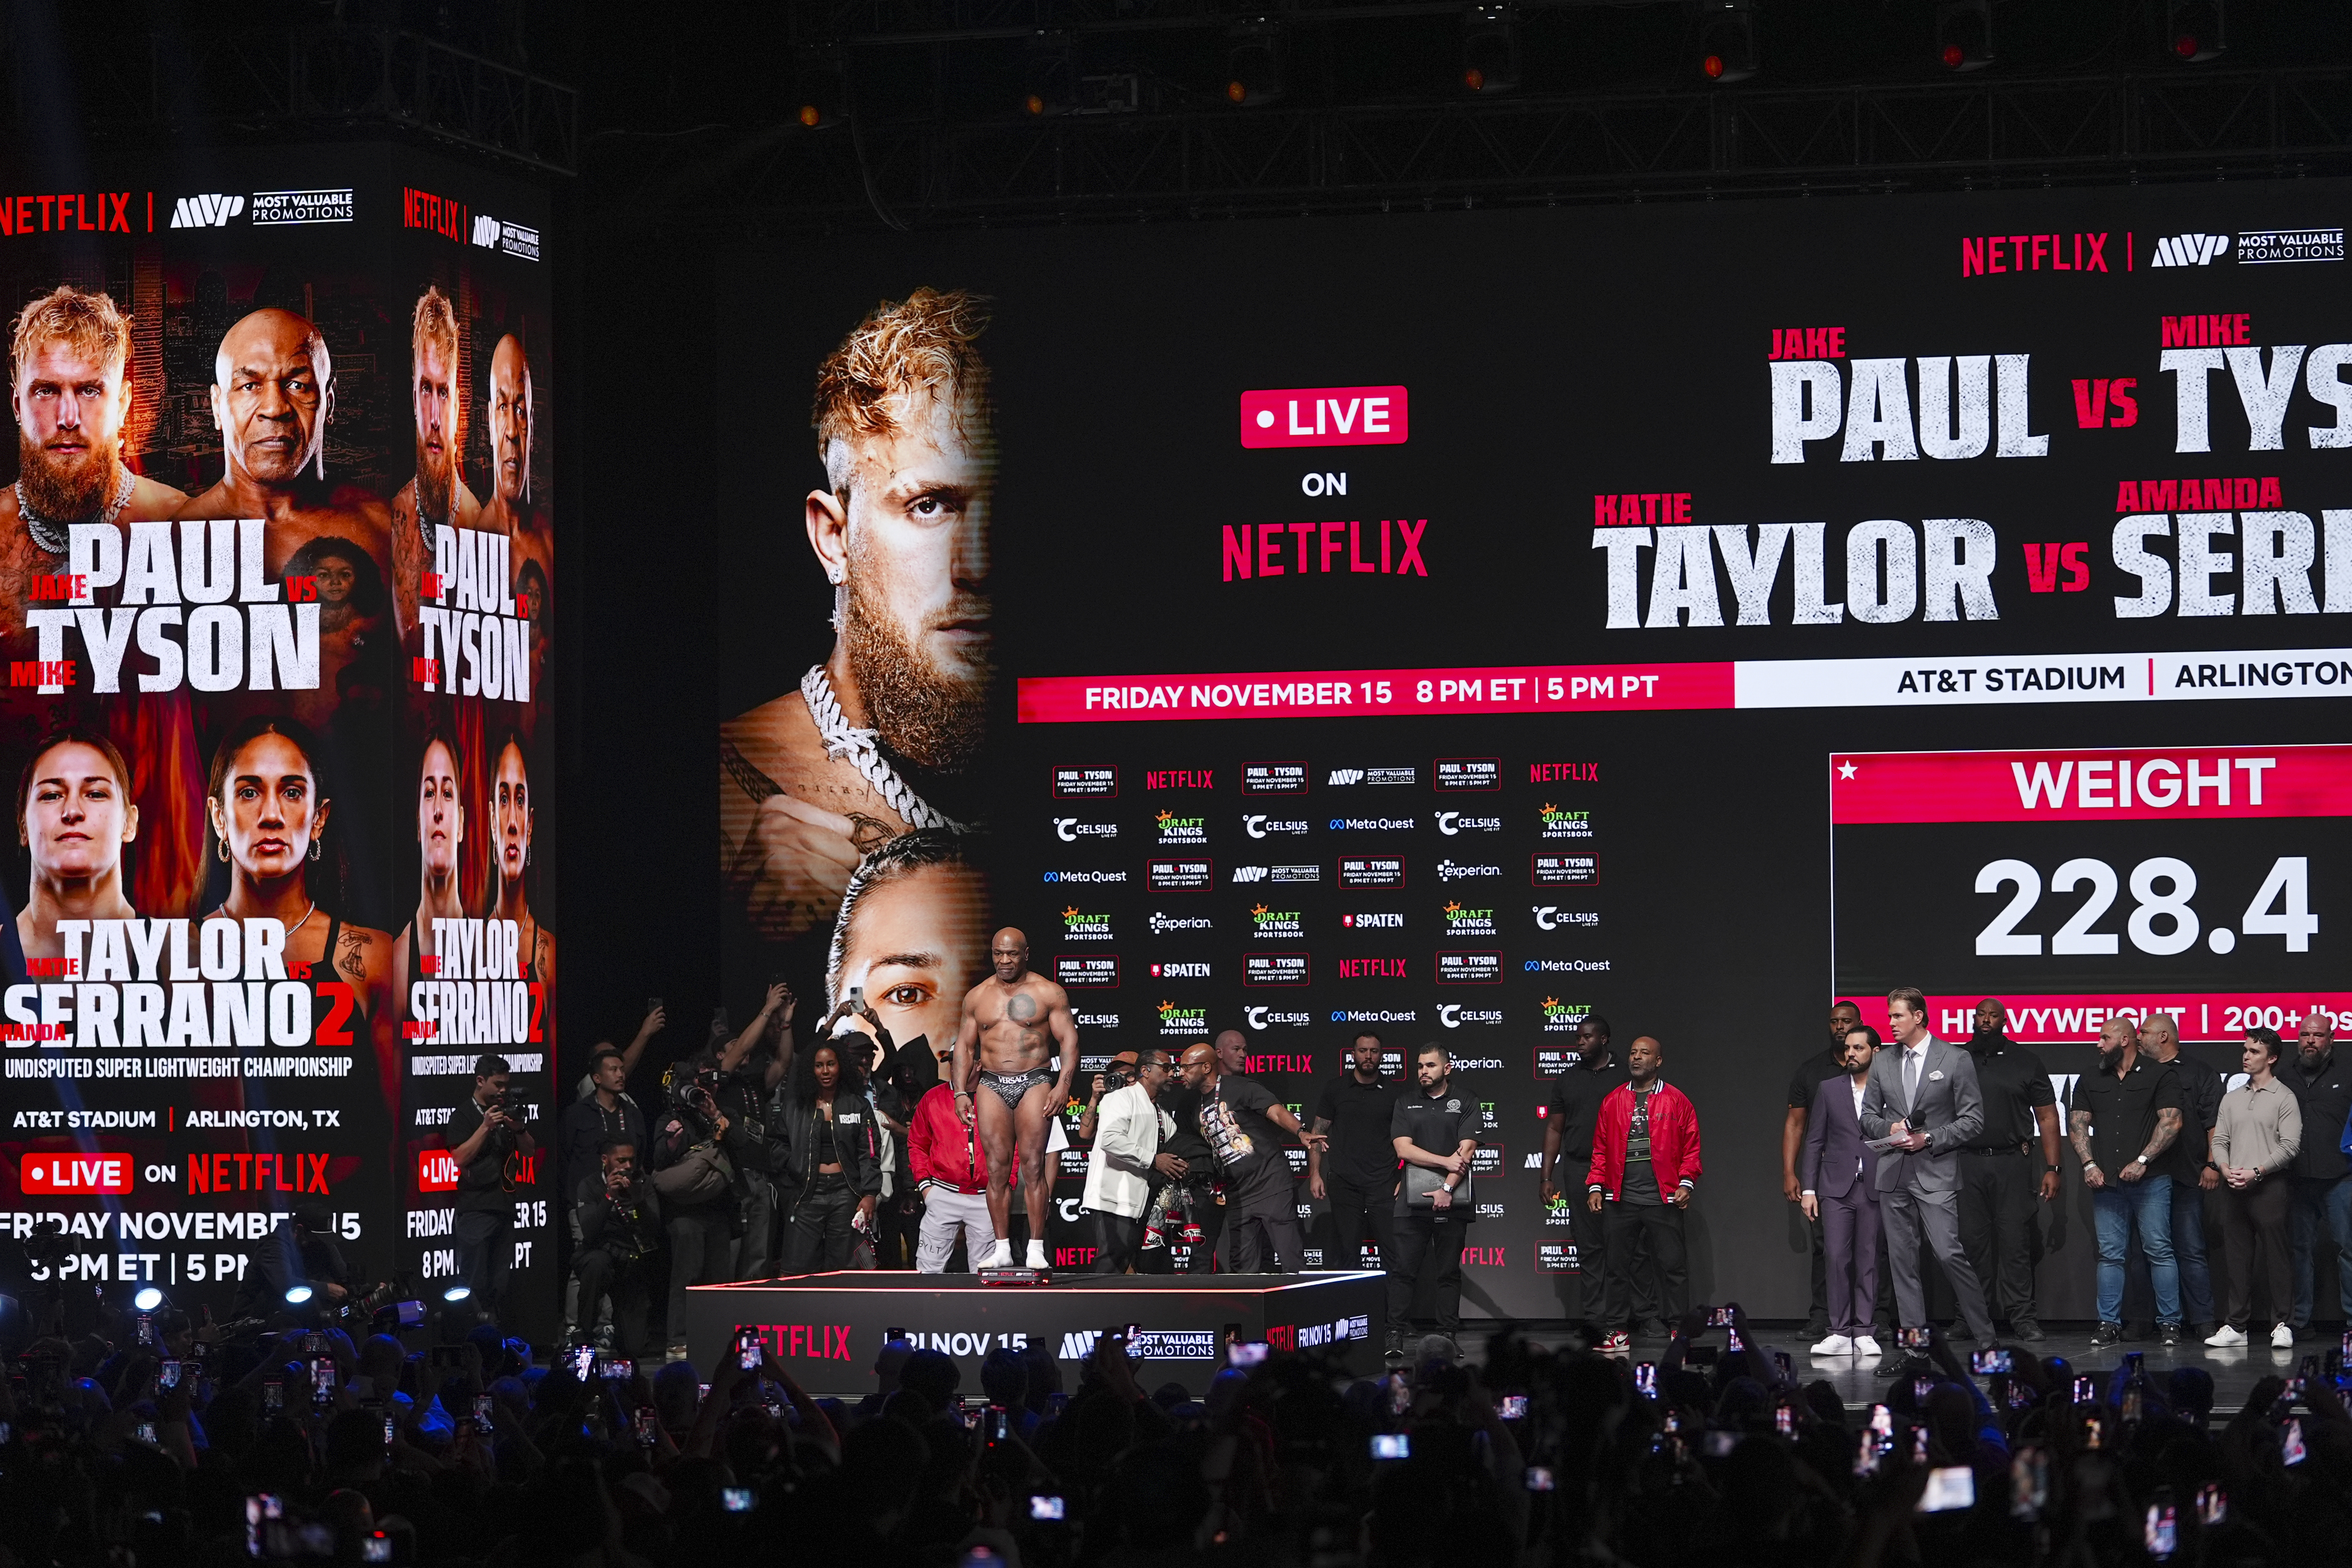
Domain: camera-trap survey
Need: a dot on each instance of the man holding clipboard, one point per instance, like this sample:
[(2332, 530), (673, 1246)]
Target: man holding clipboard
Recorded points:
[(1435, 1132)]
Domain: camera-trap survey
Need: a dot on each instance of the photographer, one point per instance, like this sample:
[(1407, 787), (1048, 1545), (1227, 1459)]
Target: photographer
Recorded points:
[(742, 1091), (619, 1220), (694, 1166), (484, 1130)]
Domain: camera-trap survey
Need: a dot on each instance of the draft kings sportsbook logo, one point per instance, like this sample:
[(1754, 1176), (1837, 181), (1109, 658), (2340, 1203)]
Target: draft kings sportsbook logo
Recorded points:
[(1562, 1017), (1187, 1023), (1559, 822)]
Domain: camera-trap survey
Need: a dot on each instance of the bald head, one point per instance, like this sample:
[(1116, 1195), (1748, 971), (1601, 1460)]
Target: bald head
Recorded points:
[(1195, 1065), (1232, 1052), (510, 419), (2159, 1036), (1008, 955), (270, 395), (1645, 1057)]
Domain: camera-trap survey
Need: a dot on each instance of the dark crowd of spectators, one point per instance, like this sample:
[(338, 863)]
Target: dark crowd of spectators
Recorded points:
[(294, 1447)]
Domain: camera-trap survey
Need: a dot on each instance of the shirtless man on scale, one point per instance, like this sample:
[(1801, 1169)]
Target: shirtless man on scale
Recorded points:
[(1014, 1023)]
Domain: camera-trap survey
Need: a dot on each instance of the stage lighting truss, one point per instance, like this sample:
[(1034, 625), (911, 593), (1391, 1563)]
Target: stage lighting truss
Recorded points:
[(1964, 33), (1047, 74), (1727, 41)]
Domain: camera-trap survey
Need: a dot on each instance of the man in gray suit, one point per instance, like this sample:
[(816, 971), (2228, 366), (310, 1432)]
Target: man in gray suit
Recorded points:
[(1923, 1095), (1839, 1195)]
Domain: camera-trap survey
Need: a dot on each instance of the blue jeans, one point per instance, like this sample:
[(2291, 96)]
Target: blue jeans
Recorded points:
[(2189, 1250), (2147, 1204), (2318, 1200)]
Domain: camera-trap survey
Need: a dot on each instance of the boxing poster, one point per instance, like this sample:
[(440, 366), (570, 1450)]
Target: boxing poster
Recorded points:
[(276, 576), (1454, 627)]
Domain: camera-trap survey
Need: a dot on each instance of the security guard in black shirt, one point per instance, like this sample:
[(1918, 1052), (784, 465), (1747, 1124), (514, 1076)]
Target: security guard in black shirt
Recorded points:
[(2000, 1181)]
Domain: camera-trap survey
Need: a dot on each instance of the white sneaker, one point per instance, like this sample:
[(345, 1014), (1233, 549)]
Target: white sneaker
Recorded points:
[(999, 1256), (2226, 1338), (1866, 1345), (1036, 1254), (2283, 1338), (1836, 1344)]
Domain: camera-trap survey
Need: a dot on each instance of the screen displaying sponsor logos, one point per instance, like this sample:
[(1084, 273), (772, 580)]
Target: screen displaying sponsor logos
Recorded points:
[(2008, 502), (280, 559)]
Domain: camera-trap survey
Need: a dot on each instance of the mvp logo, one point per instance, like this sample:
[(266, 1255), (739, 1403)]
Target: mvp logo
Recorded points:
[(2189, 250), (205, 211)]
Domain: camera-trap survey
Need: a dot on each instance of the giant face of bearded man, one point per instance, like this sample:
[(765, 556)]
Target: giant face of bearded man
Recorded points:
[(906, 530), (70, 403)]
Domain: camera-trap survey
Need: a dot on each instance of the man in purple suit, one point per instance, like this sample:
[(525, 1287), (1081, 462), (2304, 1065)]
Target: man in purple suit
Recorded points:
[(1840, 1174)]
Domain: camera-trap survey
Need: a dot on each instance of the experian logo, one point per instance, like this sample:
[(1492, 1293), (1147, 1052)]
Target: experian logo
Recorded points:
[(2189, 250), (205, 211), (1448, 870), (1160, 923)]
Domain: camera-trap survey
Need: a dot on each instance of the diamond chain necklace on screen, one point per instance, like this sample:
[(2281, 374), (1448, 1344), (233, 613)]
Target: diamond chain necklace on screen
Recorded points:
[(861, 747), (45, 532)]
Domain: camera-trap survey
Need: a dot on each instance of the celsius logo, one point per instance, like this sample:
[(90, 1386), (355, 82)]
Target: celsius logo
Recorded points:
[(1199, 971), (1267, 1018), (1372, 824), (1551, 917), (1095, 1021), (1384, 921), (2189, 250), (1160, 923), (1067, 1207), (206, 211), (1453, 823), (1453, 1016), (1448, 871), (1363, 1015), (1070, 829), (1566, 965), (1260, 826)]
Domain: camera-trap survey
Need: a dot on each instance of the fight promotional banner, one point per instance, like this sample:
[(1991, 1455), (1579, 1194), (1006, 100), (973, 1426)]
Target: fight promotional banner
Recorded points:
[(275, 573), (1453, 627)]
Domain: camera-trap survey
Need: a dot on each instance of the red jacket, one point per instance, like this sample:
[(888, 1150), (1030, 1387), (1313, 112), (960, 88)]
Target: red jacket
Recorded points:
[(1673, 1140), (941, 1148)]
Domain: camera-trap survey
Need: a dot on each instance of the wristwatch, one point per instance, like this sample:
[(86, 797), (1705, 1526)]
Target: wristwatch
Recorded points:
[(2142, 1161)]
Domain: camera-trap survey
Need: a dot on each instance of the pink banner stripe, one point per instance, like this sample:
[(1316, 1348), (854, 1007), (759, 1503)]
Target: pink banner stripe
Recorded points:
[(1320, 693), (2075, 1019), (2089, 785)]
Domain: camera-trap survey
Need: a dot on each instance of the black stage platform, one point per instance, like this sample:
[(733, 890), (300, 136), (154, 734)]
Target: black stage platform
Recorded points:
[(826, 1328), (1860, 1380)]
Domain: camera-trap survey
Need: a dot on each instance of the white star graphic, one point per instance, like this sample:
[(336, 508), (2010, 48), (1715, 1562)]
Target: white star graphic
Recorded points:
[(1845, 770)]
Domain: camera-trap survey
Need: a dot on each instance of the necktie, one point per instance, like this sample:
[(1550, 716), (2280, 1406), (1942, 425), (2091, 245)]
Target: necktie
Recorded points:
[(1911, 1079)]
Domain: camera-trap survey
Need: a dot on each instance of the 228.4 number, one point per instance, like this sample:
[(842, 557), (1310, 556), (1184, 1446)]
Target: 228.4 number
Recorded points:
[(2162, 922)]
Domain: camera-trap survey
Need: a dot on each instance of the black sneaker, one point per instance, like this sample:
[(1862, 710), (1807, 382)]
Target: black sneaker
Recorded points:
[(1395, 1354), (2106, 1334), (2030, 1333), (2168, 1335), (1958, 1333)]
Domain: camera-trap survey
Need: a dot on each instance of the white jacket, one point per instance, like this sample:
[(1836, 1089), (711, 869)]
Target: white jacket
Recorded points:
[(1130, 1124)]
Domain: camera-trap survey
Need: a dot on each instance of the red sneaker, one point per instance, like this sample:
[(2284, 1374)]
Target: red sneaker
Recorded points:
[(1614, 1340)]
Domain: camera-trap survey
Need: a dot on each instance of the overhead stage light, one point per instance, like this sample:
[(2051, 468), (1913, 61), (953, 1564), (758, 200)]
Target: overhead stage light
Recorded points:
[(1254, 62), (148, 1298), (1727, 40), (1964, 33), (1490, 49), (298, 1294), (2196, 30)]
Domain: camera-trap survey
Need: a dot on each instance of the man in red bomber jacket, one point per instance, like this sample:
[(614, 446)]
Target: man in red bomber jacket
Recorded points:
[(1644, 1161), (950, 1170)]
